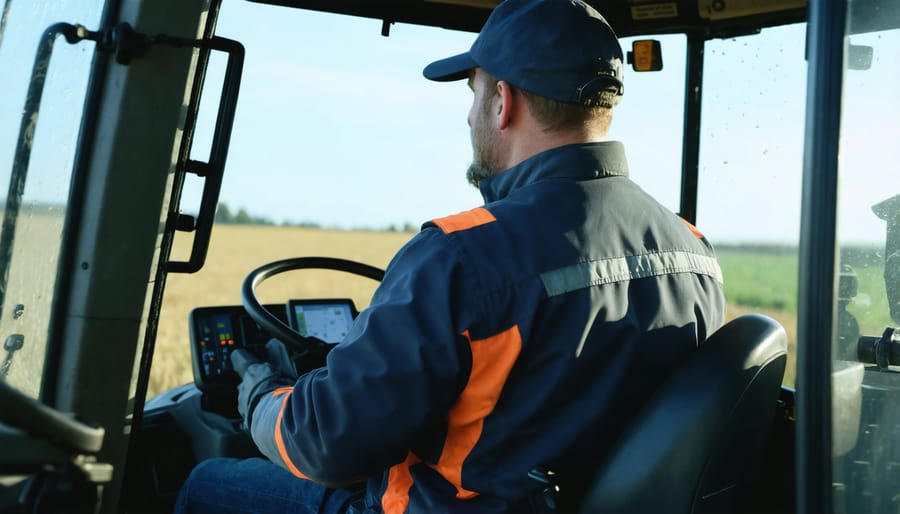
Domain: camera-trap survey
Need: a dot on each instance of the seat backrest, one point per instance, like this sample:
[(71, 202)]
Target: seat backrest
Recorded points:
[(692, 445)]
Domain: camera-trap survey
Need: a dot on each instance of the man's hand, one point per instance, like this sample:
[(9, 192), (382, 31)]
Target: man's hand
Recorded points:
[(259, 377)]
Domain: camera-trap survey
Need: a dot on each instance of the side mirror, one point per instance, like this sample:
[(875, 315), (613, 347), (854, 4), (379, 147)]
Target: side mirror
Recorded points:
[(645, 55), (889, 210), (859, 57)]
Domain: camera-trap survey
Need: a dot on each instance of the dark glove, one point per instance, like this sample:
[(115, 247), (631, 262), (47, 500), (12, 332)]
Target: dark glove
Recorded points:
[(259, 377), (280, 359)]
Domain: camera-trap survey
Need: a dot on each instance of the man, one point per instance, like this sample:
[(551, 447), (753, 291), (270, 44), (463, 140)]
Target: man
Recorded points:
[(522, 334)]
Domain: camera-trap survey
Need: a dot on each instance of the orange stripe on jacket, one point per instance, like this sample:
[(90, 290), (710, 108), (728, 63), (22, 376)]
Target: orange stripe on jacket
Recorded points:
[(396, 496), (692, 228), (279, 440), (492, 361), (465, 220)]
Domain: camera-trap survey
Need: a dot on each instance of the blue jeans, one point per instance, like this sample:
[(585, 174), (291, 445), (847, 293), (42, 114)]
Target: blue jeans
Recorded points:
[(244, 486)]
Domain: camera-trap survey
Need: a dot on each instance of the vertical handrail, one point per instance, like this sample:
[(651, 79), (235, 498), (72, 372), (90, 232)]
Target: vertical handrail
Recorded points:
[(212, 170)]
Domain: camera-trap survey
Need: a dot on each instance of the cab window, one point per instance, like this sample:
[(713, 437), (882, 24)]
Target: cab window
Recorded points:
[(344, 149), (649, 120), (37, 150), (865, 400), (751, 161)]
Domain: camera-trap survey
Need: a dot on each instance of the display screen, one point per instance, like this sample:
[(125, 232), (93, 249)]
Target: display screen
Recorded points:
[(328, 321)]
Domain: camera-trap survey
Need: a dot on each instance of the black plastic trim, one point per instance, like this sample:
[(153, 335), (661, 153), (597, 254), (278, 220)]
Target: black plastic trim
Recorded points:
[(817, 280), (619, 14), (693, 102)]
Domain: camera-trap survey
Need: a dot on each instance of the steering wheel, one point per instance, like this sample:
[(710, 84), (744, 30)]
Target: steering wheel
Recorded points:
[(296, 343)]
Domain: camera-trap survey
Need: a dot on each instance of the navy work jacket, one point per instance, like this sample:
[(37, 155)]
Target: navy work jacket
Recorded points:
[(525, 332)]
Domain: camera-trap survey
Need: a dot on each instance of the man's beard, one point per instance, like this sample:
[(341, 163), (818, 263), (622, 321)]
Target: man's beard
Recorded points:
[(484, 162), (477, 172)]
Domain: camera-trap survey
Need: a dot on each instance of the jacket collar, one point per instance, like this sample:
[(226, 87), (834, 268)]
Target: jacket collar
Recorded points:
[(578, 161)]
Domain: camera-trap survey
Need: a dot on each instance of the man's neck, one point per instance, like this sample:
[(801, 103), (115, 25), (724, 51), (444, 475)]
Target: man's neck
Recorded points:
[(538, 141)]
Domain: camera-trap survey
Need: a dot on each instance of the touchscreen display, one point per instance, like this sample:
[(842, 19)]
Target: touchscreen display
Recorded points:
[(329, 322)]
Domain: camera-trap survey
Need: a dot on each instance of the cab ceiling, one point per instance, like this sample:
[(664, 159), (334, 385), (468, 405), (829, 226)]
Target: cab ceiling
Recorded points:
[(709, 18)]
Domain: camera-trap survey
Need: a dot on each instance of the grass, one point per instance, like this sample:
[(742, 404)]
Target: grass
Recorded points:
[(764, 279), (760, 279)]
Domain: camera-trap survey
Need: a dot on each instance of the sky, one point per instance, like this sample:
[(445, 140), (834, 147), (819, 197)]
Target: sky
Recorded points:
[(336, 125), (352, 120)]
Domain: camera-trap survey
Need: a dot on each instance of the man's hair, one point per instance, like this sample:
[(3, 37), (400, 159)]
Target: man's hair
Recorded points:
[(554, 115)]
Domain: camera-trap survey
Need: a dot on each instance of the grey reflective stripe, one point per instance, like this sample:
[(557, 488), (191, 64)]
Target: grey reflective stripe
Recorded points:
[(619, 269)]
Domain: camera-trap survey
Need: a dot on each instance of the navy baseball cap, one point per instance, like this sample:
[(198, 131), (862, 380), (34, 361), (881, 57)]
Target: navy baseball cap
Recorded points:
[(559, 49)]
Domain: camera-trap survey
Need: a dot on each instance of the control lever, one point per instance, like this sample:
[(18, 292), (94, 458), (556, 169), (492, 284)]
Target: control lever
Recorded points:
[(26, 413), (54, 450)]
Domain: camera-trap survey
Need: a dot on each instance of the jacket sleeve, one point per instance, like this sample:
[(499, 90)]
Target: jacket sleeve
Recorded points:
[(399, 370)]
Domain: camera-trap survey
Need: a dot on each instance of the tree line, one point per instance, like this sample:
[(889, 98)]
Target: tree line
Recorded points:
[(227, 216)]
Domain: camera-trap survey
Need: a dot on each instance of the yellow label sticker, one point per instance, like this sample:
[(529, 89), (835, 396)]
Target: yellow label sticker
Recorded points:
[(653, 11)]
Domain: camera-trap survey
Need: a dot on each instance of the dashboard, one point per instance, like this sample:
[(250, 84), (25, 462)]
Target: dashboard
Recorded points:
[(216, 332)]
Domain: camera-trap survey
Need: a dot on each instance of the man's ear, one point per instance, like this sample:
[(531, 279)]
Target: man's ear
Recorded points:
[(506, 108)]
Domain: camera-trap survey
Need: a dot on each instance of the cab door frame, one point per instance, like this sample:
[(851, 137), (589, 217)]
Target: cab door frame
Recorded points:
[(817, 255), (125, 174)]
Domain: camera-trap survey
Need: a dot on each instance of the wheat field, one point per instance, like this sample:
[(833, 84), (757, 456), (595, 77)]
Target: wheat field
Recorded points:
[(234, 251)]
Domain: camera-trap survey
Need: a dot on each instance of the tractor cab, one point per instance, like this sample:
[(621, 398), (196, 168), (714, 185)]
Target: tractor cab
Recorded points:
[(165, 159)]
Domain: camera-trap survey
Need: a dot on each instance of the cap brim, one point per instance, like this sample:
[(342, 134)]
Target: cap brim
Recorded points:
[(451, 68)]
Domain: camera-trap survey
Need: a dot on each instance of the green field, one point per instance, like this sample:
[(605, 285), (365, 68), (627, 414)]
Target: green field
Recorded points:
[(766, 278), (763, 280), (757, 279)]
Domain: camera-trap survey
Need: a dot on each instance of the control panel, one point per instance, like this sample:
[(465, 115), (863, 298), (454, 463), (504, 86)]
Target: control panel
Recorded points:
[(216, 332)]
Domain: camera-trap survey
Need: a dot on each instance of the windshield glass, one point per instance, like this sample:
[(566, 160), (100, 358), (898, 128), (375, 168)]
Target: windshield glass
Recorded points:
[(343, 147), (37, 149), (867, 393), (751, 161)]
